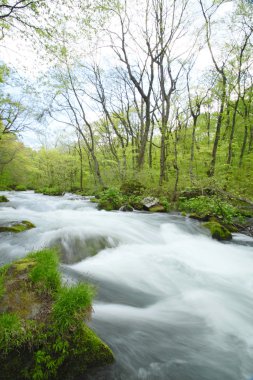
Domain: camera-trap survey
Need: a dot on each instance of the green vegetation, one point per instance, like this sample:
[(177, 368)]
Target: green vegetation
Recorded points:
[(45, 275), (204, 208), (111, 199), (69, 304), (3, 199), (42, 333), (17, 227), (218, 231), (20, 188)]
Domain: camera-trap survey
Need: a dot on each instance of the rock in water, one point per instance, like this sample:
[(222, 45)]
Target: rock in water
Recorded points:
[(17, 226), (218, 231)]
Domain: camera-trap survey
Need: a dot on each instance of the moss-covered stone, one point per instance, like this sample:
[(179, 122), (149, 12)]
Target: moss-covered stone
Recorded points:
[(42, 333), (17, 226), (201, 217), (3, 199), (157, 208), (218, 231)]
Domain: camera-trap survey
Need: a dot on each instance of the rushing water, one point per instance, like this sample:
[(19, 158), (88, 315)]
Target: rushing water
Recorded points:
[(172, 303)]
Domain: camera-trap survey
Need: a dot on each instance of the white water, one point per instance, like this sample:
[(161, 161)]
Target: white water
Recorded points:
[(172, 303)]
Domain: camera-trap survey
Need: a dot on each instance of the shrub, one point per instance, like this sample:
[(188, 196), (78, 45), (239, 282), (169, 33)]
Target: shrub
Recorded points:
[(210, 206), (132, 188), (21, 188), (111, 199)]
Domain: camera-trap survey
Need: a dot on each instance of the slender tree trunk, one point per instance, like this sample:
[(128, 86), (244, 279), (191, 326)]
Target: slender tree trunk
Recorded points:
[(193, 147), (243, 145), (231, 137), (218, 129)]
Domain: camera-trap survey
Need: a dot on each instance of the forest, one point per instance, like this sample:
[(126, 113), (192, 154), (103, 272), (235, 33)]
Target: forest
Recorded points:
[(158, 92)]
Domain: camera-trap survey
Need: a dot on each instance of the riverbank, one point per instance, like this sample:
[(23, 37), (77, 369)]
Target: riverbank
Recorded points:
[(42, 329)]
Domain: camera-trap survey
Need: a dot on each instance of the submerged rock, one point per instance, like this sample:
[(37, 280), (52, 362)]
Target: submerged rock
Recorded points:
[(3, 199), (17, 226), (218, 231), (42, 333)]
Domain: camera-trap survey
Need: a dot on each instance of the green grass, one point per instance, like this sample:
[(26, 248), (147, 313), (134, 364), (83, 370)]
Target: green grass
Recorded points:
[(45, 274), (10, 331), (72, 305)]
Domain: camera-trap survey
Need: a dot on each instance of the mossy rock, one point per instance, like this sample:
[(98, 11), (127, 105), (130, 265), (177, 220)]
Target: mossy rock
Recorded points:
[(157, 208), (42, 333), (200, 217), (17, 226), (3, 199), (218, 231)]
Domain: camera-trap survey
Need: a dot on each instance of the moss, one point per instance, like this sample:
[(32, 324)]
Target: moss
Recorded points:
[(17, 227), (42, 333), (157, 208), (3, 199), (218, 231)]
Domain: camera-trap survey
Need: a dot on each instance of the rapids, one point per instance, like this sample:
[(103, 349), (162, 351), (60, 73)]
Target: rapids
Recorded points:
[(172, 303)]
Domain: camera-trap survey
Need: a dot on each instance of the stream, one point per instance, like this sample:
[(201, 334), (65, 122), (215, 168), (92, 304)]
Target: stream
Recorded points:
[(172, 303)]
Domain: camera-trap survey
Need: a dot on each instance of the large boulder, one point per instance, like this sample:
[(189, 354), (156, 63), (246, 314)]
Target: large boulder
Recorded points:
[(149, 202), (152, 204)]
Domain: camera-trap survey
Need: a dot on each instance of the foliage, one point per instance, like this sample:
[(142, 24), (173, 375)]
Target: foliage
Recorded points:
[(218, 231), (132, 188), (111, 199), (70, 304), (3, 198), (21, 188), (54, 343), (206, 207), (45, 275)]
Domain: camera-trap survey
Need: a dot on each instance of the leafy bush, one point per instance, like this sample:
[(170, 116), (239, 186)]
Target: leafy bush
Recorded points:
[(132, 188), (52, 191), (210, 206), (21, 188), (111, 199), (135, 202)]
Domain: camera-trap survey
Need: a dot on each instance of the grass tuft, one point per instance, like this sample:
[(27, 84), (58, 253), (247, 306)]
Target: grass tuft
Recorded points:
[(45, 274), (73, 304)]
